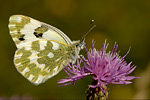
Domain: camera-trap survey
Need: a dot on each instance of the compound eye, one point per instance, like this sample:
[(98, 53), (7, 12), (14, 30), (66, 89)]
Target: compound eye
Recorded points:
[(77, 45)]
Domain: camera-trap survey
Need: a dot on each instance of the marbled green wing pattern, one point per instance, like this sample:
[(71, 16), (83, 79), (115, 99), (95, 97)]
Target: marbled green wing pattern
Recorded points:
[(41, 48), (40, 60), (24, 29)]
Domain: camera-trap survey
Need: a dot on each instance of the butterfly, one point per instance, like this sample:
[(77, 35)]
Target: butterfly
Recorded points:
[(42, 49)]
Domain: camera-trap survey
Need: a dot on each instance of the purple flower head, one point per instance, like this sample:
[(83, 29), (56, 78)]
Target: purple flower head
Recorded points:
[(105, 68)]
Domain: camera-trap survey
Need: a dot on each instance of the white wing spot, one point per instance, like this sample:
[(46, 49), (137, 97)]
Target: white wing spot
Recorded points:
[(28, 31), (58, 59), (25, 70), (33, 58), (54, 72), (55, 69), (19, 64), (14, 32), (53, 35), (18, 56), (40, 78), (30, 77), (43, 44), (18, 19), (55, 45), (28, 46), (12, 25), (35, 23), (30, 26), (41, 66), (50, 55), (37, 64), (47, 70), (16, 39)]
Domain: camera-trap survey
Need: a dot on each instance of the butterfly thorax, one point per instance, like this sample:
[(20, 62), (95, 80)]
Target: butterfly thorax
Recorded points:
[(75, 50)]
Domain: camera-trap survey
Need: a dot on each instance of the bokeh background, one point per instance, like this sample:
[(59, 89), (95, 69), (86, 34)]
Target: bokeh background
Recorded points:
[(125, 21)]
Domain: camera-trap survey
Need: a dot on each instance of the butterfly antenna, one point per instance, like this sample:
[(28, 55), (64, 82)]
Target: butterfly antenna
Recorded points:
[(83, 38)]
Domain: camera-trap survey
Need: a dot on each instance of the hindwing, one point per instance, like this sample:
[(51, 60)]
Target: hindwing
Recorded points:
[(40, 60)]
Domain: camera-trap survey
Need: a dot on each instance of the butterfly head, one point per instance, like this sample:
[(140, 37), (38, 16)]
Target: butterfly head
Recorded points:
[(78, 45)]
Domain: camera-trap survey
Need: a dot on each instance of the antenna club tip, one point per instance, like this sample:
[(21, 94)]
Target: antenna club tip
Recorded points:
[(92, 20)]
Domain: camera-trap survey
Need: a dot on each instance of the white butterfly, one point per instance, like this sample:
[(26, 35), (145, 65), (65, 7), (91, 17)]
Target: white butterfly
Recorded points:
[(41, 48)]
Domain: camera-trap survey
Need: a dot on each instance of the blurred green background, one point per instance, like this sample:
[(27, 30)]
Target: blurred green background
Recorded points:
[(125, 21)]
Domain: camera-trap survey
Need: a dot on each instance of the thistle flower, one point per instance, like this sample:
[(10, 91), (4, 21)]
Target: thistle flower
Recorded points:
[(105, 68)]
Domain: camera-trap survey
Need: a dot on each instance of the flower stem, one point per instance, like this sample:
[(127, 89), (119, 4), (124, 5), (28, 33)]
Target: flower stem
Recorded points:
[(97, 93)]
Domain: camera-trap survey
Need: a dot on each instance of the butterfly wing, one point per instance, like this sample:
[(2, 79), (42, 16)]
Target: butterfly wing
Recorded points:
[(38, 57), (40, 60), (24, 30)]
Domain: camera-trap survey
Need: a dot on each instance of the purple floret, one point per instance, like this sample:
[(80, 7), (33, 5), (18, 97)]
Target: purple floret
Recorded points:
[(105, 68)]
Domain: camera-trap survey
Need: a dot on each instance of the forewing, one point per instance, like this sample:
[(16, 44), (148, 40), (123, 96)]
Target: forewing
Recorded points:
[(24, 30), (40, 60)]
